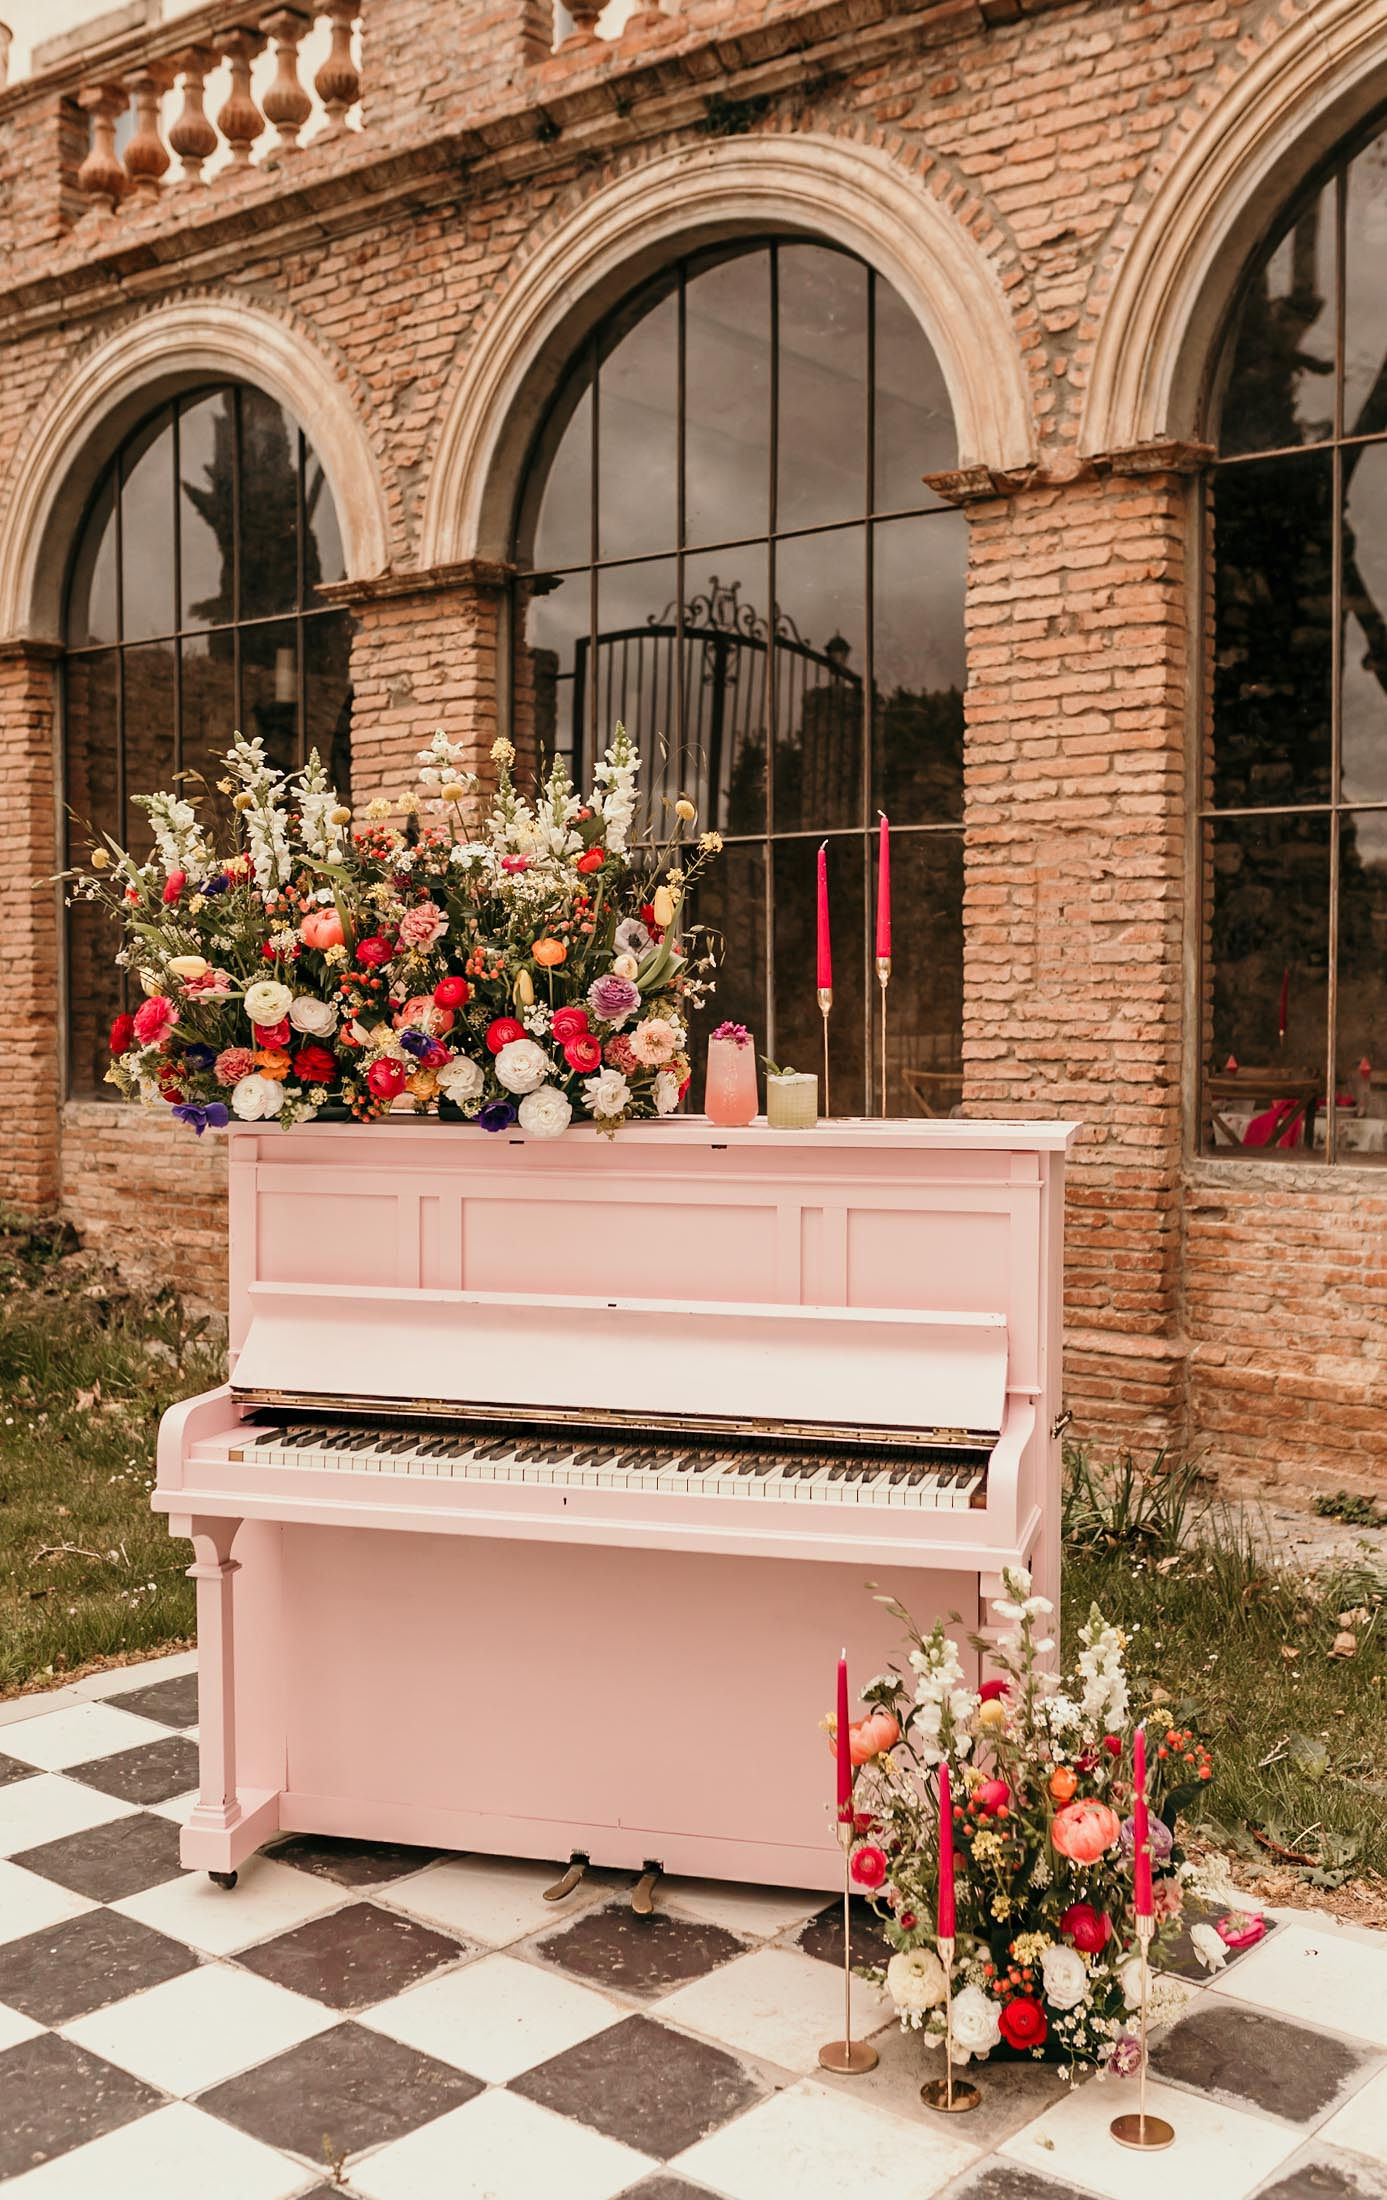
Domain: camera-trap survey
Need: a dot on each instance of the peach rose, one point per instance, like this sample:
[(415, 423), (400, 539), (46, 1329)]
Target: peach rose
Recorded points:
[(1082, 1831), (322, 928)]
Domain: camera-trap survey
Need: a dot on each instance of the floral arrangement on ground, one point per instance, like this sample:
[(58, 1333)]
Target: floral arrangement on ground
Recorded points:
[(484, 958), (1046, 1960)]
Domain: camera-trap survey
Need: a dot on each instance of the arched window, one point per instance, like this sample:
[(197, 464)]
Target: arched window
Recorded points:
[(724, 540), (1295, 795), (191, 613)]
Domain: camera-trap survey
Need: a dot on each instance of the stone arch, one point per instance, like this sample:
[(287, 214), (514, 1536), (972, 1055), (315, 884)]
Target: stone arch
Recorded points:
[(133, 369), (851, 193), (1242, 159)]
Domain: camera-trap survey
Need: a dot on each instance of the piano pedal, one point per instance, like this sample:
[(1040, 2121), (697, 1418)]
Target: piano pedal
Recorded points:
[(643, 1893), (577, 1865)]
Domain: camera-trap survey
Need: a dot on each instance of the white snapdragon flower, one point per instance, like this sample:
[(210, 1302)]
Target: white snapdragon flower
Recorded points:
[(256, 1098), (915, 1982), (317, 1018), (1066, 1977), (942, 1701), (265, 824), (177, 834), (522, 1066), (1104, 1698), (546, 1112), (461, 1079), (316, 800), (267, 1001), (614, 797), (607, 1094), (976, 2029)]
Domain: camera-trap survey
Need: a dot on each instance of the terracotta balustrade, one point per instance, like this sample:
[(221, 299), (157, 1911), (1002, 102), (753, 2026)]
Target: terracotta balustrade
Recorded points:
[(287, 105), (193, 136)]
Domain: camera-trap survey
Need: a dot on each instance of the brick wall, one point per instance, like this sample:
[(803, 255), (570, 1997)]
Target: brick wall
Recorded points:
[(147, 1193)]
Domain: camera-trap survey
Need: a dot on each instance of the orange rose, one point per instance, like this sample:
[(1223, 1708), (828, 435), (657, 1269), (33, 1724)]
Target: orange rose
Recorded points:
[(322, 928), (272, 1062), (1063, 1781), (1082, 1831), (549, 953)]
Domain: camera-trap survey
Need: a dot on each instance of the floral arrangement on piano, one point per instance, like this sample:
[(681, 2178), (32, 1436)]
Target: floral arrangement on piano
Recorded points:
[(1041, 1794), (482, 957)]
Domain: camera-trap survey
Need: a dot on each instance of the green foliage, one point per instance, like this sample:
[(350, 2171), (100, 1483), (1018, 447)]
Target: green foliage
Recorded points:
[(1351, 1506), (1155, 1508)]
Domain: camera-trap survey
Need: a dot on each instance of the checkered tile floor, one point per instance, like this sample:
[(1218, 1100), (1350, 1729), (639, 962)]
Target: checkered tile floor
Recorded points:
[(396, 2025)]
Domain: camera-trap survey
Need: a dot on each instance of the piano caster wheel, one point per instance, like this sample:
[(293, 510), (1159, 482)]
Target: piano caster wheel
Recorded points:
[(222, 1879), (576, 1868), (643, 1893)]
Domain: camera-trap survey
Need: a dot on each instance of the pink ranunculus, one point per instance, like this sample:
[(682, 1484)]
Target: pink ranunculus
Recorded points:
[(232, 1064), (869, 1865), (154, 1019), (992, 1691), (387, 1077), (422, 925)]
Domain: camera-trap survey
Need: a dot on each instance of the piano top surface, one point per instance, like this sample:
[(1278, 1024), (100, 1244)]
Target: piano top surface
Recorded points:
[(834, 1134)]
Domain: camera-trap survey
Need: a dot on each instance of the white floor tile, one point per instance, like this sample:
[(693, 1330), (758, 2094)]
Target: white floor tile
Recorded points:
[(48, 1807), (759, 1912), (495, 2018), (176, 1807), (490, 1899), (819, 2146), (14, 2028), (193, 2031), (268, 1898), (62, 1738), (775, 2003), (171, 2155), (1219, 2153), (1361, 2124), (28, 1903), (501, 2148), (1316, 1975)]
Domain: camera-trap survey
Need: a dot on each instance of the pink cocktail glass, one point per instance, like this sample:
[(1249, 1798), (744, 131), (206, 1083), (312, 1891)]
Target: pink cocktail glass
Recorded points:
[(729, 1095)]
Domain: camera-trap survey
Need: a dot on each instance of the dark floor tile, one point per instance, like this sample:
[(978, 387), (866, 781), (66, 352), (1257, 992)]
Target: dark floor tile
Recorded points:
[(108, 1862), (666, 2188), (1323, 2173), (1240, 2055), (639, 1955), (351, 1863), (639, 2082), (1009, 2181), (348, 2087), (823, 1935), (172, 1703), (354, 1957), (1183, 1961), (85, 1963), (149, 1774), (57, 2096), (12, 1769)]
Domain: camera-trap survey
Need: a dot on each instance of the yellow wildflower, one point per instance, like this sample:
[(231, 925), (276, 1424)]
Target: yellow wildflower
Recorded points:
[(452, 792), (503, 751), (100, 859), (341, 815), (685, 810), (378, 808), (710, 843), (243, 801)]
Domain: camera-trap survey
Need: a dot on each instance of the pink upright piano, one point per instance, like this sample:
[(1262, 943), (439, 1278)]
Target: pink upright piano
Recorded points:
[(551, 1476)]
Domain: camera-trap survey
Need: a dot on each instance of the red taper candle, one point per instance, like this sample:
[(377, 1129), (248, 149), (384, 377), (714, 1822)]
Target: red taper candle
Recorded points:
[(825, 963), (946, 1857), (844, 1744), (1141, 1833), (884, 890)]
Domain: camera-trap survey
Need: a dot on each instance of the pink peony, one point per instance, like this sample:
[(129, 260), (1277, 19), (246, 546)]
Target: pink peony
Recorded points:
[(992, 1796), (232, 1064), (1083, 1831), (154, 1019), (423, 925), (322, 928), (655, 1042)]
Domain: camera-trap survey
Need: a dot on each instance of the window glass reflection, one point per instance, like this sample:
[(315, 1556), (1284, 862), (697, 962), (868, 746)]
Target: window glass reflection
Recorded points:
[(918, 669), (820, 659), (1273, 610), (1363, 734), (730, 900), (1360, 1074), (822, 399), (91, 598), (727, 669), (924, 1053), (146, 496), (208, 705), (1267, 894), (206, 510), (637, 427), (1365, 296), (635, 672), (798, 1023), (562, 469), (727, 377), (269, 507), (1280, 388), (270, 689), (914, 421), (327, 696), (92, 795), (323, 556)]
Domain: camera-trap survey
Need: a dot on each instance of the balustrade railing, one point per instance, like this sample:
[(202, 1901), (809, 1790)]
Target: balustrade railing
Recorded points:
[(579, 23), (250, 75)]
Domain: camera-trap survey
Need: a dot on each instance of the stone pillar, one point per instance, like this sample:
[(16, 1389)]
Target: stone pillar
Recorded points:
[(1079, 725), (29, 926)]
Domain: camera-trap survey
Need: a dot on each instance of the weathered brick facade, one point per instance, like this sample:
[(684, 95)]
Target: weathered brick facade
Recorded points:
[(1066, 193)]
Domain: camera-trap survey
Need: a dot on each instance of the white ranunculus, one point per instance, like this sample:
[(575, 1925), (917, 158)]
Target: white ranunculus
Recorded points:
[(461, 1079), (915, 1981), (606, 1094), (976, 2030), (545, 1113), (626, 966), (317, 1018), (1208, 1947), (522, 1066), (666, 1092), (268, 1001), (1129, 1979), (1065, 1976), (256, 1097)]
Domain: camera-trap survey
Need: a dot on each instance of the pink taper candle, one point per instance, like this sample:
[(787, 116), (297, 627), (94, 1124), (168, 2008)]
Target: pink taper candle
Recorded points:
[(825, 966), (1141, 1833), (844, 1744), (946, 1857), (884, 890)]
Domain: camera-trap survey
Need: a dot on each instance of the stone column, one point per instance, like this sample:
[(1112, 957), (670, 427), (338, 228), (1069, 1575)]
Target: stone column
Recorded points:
[(1080, 720), (29, 926)]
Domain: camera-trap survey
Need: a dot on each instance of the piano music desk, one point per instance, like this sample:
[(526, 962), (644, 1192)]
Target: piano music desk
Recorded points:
[(550, 1475)]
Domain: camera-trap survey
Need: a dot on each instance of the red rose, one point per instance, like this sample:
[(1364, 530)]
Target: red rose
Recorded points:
[(174, 885), (1088, 1928), (501, 1032), (122, 1034), (991, 1690), (1112, 1743), (314, 1065), (868, 1866), (452, 992), (569, 1023), (583, 1054), (272, 1035), (1023, 2023), (387, 1077), (374, 951), (591, 860)]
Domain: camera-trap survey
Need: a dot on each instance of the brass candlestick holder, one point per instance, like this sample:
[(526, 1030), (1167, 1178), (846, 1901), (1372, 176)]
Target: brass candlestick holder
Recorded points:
[(1141, 2130), (825, 1010), (950, 2098), (883, 980), (849, 2057)]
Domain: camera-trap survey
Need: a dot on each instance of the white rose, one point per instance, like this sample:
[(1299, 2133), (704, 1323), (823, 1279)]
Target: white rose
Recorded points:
[(522, 1066), (268, 1001), (545, 1113), (1208, 1947), (256, 1097), (606, 1094), (1066, 1978), (915, 1980), (976, 2030), (462, 1079), (317, 1018), (1129, 1979), (666, 1092)]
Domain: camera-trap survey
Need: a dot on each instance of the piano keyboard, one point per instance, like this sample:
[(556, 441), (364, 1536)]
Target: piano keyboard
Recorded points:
[(946, 1483)]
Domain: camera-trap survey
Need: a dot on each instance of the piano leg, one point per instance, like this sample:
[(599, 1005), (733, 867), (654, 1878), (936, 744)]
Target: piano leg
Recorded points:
[(226, 1823)]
